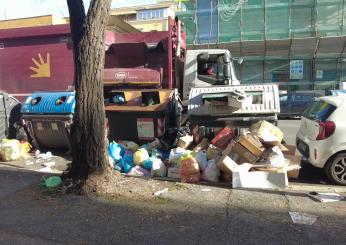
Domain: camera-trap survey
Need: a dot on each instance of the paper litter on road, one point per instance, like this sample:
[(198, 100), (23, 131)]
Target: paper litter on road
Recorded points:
[(49, 164), (325, 197), (205, 189), (303, 218), (158, 193), (49, 170)]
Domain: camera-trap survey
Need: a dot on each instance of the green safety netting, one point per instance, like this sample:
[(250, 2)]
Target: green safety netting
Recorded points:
[(262, 19)]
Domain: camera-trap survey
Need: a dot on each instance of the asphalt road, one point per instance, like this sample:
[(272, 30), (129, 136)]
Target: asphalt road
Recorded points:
[(193, 215)]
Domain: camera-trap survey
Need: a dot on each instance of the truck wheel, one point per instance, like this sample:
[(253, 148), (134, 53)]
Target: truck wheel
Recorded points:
[(336, 169)]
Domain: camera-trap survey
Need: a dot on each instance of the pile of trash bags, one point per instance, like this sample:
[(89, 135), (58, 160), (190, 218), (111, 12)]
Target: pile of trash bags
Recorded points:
[(224, 156), (148, 160)]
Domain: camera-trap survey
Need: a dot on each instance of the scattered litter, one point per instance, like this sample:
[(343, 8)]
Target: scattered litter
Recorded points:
[(325, 197), (49, 170), (303, 218), (139, 171), (29, 163), (45, 156), (205, 189), (158, 193), (48, 164), (51, 182)]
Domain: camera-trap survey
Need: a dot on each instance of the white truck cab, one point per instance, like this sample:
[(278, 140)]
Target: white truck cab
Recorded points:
[(208, 67)]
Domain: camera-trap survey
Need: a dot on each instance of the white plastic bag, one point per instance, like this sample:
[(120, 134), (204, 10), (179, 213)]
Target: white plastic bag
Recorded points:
[(211, 173), (175, 153), (158, 169)]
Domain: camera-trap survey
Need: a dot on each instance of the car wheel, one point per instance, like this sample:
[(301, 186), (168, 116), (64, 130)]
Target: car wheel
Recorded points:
[(336, 169)]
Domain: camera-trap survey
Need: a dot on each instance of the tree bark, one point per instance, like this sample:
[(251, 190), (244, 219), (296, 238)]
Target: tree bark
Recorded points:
[(88, 129)]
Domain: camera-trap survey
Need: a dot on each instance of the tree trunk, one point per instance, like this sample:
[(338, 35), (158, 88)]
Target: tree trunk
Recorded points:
[(88, 129)]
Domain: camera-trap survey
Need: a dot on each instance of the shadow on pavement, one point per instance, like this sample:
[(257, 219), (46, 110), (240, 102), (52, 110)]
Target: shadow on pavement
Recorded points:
[(29, 216)]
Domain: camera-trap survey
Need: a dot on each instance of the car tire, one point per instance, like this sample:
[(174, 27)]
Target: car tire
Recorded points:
[(336, 169)]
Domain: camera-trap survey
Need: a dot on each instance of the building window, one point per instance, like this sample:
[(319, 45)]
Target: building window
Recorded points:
[(152, 14)]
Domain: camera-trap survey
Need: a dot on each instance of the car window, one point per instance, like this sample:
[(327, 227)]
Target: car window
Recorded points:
[(298, 98), (319, 110), (283, 98)]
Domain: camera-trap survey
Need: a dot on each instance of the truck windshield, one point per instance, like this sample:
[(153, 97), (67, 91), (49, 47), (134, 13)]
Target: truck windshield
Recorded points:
[(220, 66), (319, 111)]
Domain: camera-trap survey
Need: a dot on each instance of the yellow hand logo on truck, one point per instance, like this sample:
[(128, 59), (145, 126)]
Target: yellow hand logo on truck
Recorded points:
[(42, 68)]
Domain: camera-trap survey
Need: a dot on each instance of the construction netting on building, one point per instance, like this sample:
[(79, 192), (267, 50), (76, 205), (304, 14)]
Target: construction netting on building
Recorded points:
[(209, 21), (274, 36)]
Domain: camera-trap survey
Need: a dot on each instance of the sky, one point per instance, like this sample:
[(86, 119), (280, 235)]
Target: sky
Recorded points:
[(12, 9)]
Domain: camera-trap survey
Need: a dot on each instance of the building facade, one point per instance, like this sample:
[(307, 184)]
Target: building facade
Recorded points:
[(297, 44), (147, 18), (44, 20)]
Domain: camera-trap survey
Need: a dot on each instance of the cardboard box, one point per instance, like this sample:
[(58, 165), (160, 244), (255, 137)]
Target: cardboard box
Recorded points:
[(252, 144), (259, 180), (247, 149), (294, 159), (213, 152), (242, 155), (222, 139), (227, 165), (267, 132), (185, 141)]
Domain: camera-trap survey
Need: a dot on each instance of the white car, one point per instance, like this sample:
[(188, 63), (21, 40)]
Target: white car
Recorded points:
[(322, 136)]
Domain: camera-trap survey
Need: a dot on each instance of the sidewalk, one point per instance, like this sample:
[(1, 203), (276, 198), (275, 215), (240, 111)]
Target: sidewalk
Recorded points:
[(190, 214)]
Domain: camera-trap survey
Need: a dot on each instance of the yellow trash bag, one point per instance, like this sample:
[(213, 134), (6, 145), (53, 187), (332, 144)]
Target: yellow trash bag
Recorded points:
[(13, 150)]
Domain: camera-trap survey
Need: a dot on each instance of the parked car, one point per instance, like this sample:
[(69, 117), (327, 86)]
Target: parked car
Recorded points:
[(293, 104), (321, 137), (336, 91)]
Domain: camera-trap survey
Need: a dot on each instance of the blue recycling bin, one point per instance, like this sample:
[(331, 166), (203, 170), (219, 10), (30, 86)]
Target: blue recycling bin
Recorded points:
[(48, 116)]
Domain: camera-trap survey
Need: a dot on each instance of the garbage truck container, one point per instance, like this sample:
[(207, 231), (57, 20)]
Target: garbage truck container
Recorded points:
[(9, 115), (48, 116)]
